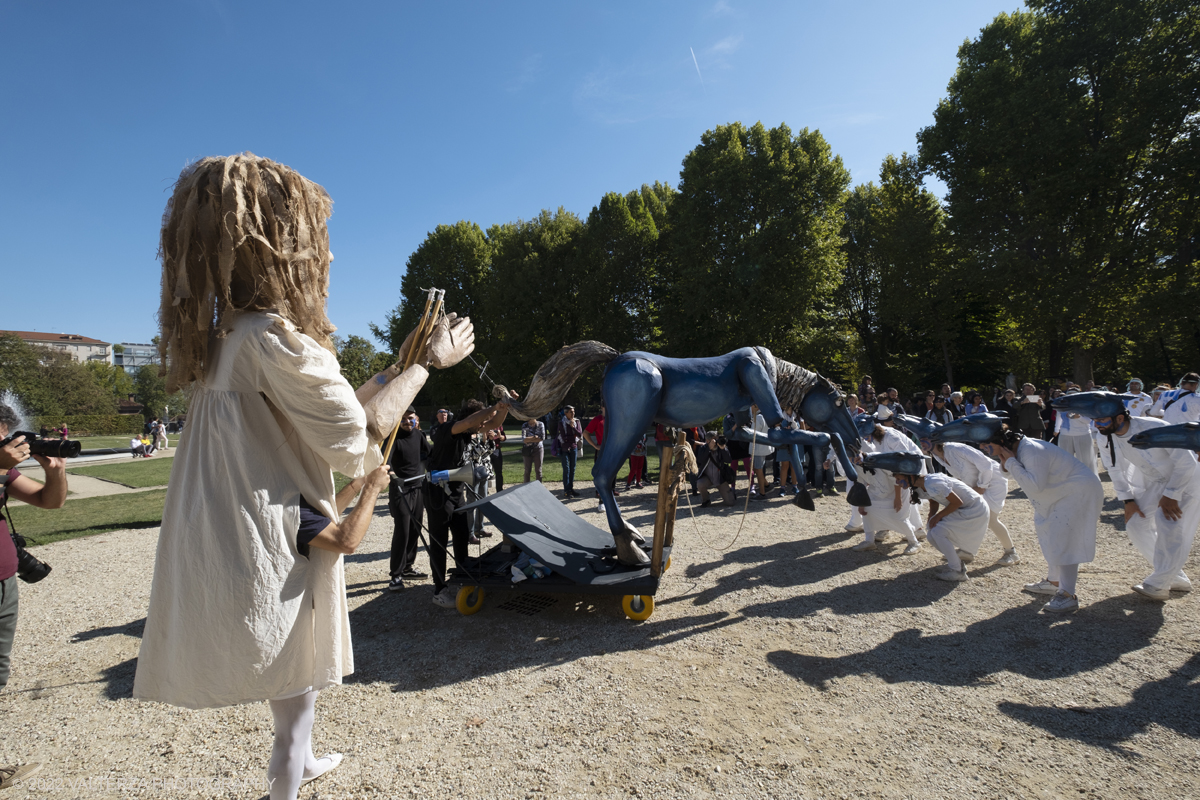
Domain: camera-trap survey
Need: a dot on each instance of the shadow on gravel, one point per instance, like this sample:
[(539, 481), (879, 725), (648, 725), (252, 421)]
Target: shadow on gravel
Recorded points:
[(119, 680), (1019, 640), (1171, 702), (403, 639), (134, 628)]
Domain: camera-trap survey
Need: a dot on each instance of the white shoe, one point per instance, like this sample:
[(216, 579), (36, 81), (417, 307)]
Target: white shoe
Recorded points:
[(921, 535), (1044, 586), (952, 575), (1152, 592), (1009, 558), (444, 598), (912, 549), (861, 546), (1181, 584), (333, 758), (964, 556), (1062, 603), (852, 529)]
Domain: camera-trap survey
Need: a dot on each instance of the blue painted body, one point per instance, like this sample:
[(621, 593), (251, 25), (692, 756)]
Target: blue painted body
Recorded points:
[(641, 389)]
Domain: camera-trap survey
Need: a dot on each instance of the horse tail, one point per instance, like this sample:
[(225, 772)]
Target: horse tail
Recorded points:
[(555, 378)]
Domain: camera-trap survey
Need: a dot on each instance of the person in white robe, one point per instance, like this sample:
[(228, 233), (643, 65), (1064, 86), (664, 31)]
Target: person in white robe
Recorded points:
[(1160, 489), (1067, 497), (958, 523), (1141, 403), (241, 610), (890, 507), (906, 442), (1077, 437), (984, 477), (1180, 405)]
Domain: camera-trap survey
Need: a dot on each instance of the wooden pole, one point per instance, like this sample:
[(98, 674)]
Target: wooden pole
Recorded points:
[(660, 514), (673, 501), (415, 347)]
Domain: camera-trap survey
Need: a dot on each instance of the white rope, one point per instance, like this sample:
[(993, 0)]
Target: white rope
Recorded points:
[(745, 506)]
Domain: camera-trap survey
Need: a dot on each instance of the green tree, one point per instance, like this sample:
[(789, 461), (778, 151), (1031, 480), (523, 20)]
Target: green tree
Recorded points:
[(754, 240), (456, 258), (1068, 144), (49, 381), (358, 359), (115, 380)]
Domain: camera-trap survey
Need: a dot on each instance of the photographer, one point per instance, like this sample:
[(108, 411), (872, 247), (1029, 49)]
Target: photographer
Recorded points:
[(714, 466), (50, 495)]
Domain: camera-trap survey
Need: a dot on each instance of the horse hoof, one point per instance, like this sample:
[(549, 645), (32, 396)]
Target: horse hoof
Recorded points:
[(628, 553), (638, 539), (805, 501)]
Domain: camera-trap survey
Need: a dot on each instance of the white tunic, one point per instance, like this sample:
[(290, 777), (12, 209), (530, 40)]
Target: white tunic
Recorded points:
[(1066, 496), (236, 613), (975, 469), (881, 486), (1140, 405), (1176, 407), (966, 525)]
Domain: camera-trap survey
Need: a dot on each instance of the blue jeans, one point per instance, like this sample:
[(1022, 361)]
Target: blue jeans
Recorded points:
[(568, 461)]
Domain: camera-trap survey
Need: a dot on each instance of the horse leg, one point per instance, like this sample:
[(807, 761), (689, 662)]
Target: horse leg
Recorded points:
[(632, 393)]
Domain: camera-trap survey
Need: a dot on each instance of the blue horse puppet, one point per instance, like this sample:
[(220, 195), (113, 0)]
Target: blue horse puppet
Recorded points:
[(1185, 436), (640, 389)]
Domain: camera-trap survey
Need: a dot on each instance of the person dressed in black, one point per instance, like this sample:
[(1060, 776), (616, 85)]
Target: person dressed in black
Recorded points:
[(443, 500), (406, 501)]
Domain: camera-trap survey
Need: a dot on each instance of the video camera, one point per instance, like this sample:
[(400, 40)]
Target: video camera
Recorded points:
[(51, 448)]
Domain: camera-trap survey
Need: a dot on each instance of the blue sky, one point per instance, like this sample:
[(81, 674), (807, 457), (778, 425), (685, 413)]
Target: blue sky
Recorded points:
[(411, 115)]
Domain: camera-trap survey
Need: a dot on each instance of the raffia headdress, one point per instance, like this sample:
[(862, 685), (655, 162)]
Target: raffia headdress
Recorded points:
[(240, 233)]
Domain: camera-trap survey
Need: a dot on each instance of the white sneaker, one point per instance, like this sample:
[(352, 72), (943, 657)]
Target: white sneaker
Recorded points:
[(952, 575), (852, 529), (1181, 584), (1044, 586), (912, 549), (964, 556), (1062, 603), (1152, 592), (921, 534), (444, 598), (1009, 558), (861, 546)]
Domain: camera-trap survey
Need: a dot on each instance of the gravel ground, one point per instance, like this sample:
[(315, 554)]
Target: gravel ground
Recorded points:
[(787, 666)]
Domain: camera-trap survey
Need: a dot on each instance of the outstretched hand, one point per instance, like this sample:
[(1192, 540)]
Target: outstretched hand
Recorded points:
[(453, 340)]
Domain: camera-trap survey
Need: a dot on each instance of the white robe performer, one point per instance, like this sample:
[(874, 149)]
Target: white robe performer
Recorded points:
[(882, 515), (1075, 436), (1147, 476), (983, 475), (1067, 497), (962, 529)]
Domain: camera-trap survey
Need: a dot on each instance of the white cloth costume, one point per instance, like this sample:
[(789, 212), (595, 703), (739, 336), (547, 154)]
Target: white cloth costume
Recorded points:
[(962, 529), (1177, 406), (1075, 435), (1066, 496), (977, 470), (902, 442), (1147, 476), (1140, 405), (882, 515), (236, 613)]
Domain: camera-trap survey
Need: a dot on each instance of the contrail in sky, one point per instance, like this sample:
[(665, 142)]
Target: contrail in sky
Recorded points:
[(697, 63)]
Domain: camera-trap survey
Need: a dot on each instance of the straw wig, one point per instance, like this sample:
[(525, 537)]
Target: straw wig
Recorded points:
[(240, 233)]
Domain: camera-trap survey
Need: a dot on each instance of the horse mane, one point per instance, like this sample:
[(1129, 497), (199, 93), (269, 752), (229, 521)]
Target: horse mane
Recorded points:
[(792, 383), (554, 378)]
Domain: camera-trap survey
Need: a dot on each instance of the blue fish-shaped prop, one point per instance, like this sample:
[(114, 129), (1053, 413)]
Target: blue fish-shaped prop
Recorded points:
[(973, 429), (1178, 437), (1092, 405), (902, 463), (865, 423), (922, 427)]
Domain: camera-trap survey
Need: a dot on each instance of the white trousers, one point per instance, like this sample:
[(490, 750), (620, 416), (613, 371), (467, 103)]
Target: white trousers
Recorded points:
[(1083, 448), (1164, 543)]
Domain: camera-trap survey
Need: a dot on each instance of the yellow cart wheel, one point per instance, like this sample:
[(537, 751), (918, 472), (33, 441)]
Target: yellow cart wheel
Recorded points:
[(637, 606), (469, 600)]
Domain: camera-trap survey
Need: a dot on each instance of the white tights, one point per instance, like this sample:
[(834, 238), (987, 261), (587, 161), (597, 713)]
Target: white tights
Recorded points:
[(292, 755), (1000, 529), (1065, 575)]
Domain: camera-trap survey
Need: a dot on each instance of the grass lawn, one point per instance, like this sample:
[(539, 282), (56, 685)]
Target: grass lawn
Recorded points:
[(137, 474), (552, 470), (89, 515), (122, 442)]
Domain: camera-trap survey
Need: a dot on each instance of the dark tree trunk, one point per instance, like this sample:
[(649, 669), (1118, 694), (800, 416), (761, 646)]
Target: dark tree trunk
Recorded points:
[(1083, 364), (1055, 358)]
